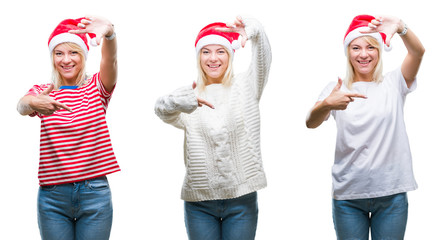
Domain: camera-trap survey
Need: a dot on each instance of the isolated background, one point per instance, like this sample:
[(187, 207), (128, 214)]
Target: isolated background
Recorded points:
[(156, 55)]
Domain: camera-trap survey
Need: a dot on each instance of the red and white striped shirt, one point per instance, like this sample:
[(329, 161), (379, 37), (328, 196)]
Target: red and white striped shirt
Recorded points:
[(75, 146)]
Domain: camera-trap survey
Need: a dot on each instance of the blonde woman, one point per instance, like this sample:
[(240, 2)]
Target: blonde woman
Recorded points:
[(372, 171), (74, 199), (220, 117)]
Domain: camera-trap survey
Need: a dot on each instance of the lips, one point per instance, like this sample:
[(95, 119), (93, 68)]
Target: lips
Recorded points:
[(68, 68), (364, 63)]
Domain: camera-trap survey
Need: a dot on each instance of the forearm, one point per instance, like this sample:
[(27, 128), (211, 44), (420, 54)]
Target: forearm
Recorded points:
[(318, 115), (24, 105), (169, 107), (261, 54), (108, 65), (411, 41), (415, 49)]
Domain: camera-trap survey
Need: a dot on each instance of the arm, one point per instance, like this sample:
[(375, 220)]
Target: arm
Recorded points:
[(103, 29), (337, 100), (170, 107), (108, 65), (41, 103), (251, 29), (391, 25), (319, 113), (261, 55), (410, 65)]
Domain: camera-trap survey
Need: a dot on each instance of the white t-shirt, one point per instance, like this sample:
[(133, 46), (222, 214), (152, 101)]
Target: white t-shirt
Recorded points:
[(372, 157)]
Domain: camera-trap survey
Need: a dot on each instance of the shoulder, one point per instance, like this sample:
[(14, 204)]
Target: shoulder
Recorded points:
[(38, 88)]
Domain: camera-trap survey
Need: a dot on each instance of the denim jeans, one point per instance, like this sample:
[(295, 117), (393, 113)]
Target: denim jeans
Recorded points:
[(229, 219), (387, 217), (75, 211)]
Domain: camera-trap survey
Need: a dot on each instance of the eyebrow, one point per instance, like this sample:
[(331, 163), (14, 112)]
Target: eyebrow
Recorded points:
[(221, 48)]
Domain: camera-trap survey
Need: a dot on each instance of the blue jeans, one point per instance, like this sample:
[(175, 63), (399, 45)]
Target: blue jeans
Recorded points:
[(387, 217), (229, 219), (75, 211)]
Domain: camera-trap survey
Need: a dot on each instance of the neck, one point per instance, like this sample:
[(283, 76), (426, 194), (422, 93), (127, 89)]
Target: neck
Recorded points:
[(363, 77), (214, 81)]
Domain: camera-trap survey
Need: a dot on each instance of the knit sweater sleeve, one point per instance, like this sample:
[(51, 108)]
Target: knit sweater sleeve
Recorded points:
[(259, 68), (170, 108)]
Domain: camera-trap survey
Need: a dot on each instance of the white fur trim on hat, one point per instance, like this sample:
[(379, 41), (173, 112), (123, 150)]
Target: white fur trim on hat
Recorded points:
[(356, 33), (67, 37), (213, 39)]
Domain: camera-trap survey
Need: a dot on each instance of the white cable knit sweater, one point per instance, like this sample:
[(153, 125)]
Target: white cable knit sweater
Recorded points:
[(222, 145)]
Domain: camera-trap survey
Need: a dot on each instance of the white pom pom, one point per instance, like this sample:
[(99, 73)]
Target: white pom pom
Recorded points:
[(93, 42), (388, 48), (236, 44)]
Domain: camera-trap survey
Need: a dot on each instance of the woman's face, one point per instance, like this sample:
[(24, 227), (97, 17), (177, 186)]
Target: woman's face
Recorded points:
[(363, 57), (214, 62), (68, 63)]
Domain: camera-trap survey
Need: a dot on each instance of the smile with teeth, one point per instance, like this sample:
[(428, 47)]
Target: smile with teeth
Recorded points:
[(67, 67), (364, 62), (214, 66)]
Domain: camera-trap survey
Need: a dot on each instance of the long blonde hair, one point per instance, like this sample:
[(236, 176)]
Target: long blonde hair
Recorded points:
[(56, 76), (377, 72), (202, 82)]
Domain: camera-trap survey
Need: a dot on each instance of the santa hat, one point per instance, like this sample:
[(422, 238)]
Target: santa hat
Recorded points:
[(360, 23), (61, 35), (209, 35)]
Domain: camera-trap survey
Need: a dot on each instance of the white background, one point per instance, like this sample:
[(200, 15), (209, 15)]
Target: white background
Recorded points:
[(156, 55)]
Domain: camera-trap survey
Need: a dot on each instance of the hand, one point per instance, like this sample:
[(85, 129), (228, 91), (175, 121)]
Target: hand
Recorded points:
[(201, 101), (238, 27), (99, 26), (338, 100), (47, 105), (386, 24)]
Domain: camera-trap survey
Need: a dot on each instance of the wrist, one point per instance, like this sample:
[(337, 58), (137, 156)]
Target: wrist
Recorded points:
[(402, 29), (111, 33)]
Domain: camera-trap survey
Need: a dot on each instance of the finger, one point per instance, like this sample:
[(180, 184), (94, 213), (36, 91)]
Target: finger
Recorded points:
[(78, 31), (388, 39), (98, 38), (355, 95), (225, 29), (202, 101), (62, 106), (238, 21), (243, 41), (338, 85), (48, 90), (86, 21)]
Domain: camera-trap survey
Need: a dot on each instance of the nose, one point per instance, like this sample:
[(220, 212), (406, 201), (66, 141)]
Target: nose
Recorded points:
[(364, 53), (213, 56), (66, 58)]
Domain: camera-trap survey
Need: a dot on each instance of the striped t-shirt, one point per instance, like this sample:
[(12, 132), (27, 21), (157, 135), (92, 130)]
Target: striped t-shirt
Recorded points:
[(75, 146)]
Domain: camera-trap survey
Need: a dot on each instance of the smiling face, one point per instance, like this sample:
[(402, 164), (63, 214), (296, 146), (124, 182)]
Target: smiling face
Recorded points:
[(68, 62), (214, 60), (364, 57)]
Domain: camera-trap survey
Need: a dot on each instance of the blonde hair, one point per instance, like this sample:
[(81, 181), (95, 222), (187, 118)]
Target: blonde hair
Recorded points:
[(202, 82), (56, 76), (377, 71)]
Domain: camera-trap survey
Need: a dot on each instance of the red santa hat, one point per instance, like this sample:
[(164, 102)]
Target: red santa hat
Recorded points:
[(360, 23), (61, 35), (209, 35)]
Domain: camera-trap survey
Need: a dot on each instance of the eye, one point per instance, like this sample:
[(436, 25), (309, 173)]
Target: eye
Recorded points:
[(58, 54), (74, 53), (221, 51)]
